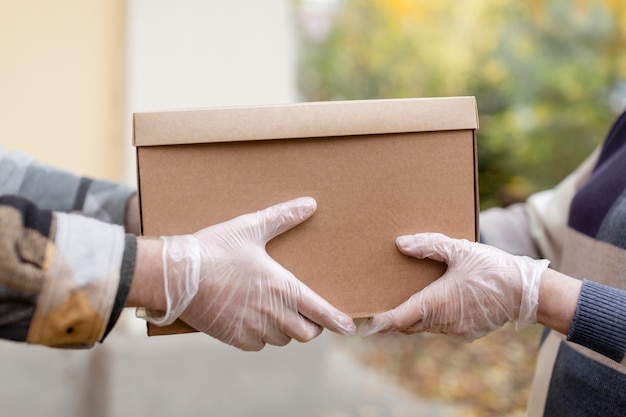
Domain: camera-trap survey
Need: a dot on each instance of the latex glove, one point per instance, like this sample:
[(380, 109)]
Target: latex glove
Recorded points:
[(221, 281), (482, 289)]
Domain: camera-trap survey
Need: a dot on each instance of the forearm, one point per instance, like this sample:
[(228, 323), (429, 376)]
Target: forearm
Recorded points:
[(590, 314), (132, 219), (147, 289), (558, 296)]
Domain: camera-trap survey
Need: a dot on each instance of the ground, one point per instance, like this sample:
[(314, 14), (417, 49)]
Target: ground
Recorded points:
[(491, 375)]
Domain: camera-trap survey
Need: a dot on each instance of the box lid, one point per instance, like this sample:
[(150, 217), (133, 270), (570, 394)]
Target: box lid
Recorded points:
[(304, 120)]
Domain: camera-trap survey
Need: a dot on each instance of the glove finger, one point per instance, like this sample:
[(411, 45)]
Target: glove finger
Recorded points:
[(254, 335), (398, 319), (320, 311), (422, 326), (379, 323), (249, 345), (426, 245), (281, 217), (277, 338), (301, 328), (418, 327)]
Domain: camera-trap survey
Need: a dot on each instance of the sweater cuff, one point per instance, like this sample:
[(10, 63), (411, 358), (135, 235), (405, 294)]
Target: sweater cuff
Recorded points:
[(126, 279), (598, 321)]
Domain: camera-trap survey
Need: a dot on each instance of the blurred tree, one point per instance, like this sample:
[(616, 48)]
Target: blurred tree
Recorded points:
[(543, 73), (549, 77)]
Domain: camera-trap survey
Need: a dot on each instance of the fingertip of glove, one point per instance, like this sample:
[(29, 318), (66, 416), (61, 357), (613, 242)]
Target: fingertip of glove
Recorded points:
[(342, 324), (307, 205), (304, 206), (347, 329), (368, 327), (403, 242)]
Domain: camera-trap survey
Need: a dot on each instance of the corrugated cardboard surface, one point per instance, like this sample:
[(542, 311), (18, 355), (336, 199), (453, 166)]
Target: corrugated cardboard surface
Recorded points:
[(370, 188)]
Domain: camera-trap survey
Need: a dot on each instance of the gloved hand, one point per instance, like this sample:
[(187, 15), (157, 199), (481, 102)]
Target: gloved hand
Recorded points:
[(221, 281), (482, 289)]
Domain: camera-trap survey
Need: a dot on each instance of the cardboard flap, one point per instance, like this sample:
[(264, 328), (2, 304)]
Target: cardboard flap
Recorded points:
[(304, 120)]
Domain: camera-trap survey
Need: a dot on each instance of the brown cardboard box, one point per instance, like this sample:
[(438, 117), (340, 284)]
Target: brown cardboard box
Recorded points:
[(377, 168)]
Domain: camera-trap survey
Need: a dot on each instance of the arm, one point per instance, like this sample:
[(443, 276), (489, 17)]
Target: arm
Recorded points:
[(61, 275), (485, 287), (589, 314), (536, 227), (25, 315), (72, 274), (599, 320), (54, 189), (147, 290), (558, 296), (222, 282)]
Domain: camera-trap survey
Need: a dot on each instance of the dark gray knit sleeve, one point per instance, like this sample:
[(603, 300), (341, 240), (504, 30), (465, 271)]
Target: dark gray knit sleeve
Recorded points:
[(126, 279), (599, 322)]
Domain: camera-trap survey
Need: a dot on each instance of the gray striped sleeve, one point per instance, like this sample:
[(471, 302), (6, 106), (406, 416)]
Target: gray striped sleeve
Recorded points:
[(55, 189)]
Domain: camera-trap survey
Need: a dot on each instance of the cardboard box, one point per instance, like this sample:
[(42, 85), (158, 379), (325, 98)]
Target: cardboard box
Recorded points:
[(377, 168)]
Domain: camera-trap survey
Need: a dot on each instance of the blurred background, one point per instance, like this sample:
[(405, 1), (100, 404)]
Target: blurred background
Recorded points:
[(549, 77)]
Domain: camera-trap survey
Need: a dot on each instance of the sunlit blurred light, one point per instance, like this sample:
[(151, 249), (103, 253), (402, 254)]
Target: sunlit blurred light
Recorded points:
[(618, 97)]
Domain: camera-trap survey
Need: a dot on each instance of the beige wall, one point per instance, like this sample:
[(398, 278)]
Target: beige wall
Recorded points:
[(62, 82)]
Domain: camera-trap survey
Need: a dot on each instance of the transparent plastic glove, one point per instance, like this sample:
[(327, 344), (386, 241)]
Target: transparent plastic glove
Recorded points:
[(221, 281), (482, 289)]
